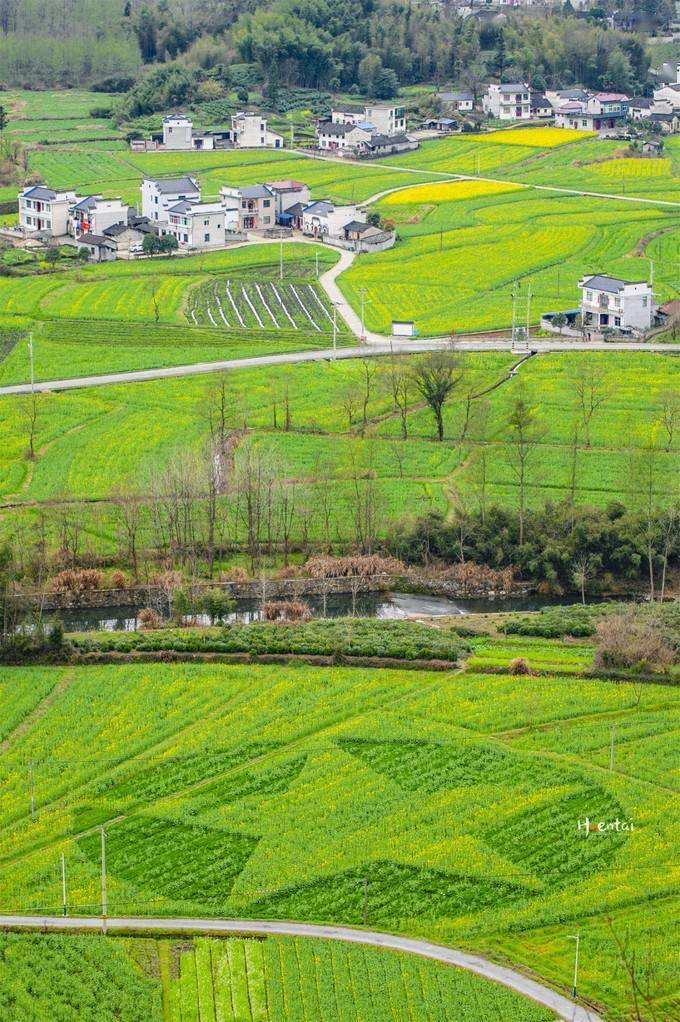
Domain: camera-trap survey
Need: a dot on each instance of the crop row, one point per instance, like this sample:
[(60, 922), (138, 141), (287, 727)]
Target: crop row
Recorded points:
[(264, 306)]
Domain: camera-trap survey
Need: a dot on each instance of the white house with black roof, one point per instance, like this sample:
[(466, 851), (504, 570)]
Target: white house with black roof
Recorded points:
[(159, 194), (197, 225), (46, 210), (93, 214), (614, 304), (509, 101)]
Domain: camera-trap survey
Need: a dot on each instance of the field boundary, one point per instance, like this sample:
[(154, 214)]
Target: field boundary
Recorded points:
[(566, 1009)]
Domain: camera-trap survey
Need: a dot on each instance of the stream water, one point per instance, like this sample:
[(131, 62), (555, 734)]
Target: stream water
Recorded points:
[(378, 605)]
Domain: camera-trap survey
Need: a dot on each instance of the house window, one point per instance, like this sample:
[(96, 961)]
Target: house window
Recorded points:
[(617, 321), (267, 203), (589, 296), (206, 223), (206, 237), (186, 237), (155, 199), (644, 302)]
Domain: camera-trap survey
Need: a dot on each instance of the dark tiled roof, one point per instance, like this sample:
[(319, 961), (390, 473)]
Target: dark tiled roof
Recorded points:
[(41, 192), (600, 282), (98, 240), (174, 185), (255, 192)]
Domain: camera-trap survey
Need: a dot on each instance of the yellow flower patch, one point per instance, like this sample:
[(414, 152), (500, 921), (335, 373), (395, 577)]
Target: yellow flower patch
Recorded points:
[(632, 167), (446, 191), (543, 138)]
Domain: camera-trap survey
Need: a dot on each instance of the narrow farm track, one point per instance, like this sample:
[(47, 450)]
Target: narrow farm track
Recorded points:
[(566, 1009)]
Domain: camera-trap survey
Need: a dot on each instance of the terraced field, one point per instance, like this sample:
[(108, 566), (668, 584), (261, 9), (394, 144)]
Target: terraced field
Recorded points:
[(264, 306), (433, 804)]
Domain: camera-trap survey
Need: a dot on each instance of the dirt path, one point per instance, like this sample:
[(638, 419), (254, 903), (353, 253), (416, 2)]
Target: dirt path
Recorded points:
[(38, 711)]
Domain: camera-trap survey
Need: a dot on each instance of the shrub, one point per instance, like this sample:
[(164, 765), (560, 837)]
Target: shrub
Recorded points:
[(519, 666), (119, 580), (217, 604), (364, 566), (77, 580), (471, 576), (235, 574), (625, 640), (148, 618), (286, 610)]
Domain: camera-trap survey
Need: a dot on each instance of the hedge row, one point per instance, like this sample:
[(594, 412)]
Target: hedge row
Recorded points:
[(342, 636)]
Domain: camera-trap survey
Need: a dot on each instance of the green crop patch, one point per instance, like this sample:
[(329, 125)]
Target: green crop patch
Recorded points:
[(373, 887), (173, 860)]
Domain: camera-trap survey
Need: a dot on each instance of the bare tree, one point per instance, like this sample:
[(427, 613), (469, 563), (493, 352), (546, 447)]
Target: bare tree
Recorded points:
[(350, 403), (401, 384), (365, 500), (591, 393), (669, 414), (369, 370), (29, 409), (573, 470), (525, 434), (435, 378), (646, 473), (642, 963), (155, 302), (480, 464), (129, 507), (669, 527)]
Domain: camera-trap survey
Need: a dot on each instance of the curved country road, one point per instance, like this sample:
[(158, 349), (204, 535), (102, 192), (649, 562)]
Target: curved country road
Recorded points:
[(562, 1006)]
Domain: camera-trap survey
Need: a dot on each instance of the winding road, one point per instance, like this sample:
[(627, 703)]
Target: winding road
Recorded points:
[(565, 1008)]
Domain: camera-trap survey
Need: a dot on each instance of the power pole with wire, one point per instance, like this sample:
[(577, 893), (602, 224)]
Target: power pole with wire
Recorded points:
[(281, 259), (31, 787), (611, 748), (64, 909), (362, 294)]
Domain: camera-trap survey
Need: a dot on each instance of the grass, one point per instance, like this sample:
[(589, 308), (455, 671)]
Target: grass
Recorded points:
[(451, 799)]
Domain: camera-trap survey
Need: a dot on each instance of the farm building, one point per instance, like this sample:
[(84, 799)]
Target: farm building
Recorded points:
[(463, 102), (611, 303), (386, 145), (287, 193), (603, 112), (249, 131), (324, 219), (338, 137), (101, 248)]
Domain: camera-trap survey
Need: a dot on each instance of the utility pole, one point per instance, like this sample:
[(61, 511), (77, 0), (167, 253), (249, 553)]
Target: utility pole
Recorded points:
[(651, 272), (316, 257), (334, 329), (63, 886), (31, 787), (365, 901), (30, 356), (529, 296), (362, 294), (611, 748), (292, 135), (103, 863), (281, 259), (577, 938)]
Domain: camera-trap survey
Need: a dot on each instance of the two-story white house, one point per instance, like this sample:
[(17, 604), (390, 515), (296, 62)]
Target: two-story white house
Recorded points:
[(160, 193), (178, 132), (252, 208), (287, 193), (347, 113), (44, 209), (94, 214), (508, 102), (386, 119), (601, 112), (249, 131), (611, 303), (197, 225), (669, 94), (323, 218)]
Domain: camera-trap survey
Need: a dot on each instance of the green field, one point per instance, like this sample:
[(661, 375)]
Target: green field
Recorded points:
[(100, 979), (442, 805), (94, 442)]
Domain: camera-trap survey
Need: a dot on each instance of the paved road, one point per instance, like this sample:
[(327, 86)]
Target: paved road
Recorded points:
[(562, 1006), (328, 354)]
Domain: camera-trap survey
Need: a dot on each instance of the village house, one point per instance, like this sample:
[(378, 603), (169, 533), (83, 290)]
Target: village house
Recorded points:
[(159, 194), (252, 208), (324, 219), (46, 210), (347, 114), (101, 248), (363, 237), (611, 303), (129, 237), (338, 137), (387, 145), (197, 225), (249, 131), (287, 193), (94, 214), (601, 112), (178, 132), (459, 102), (541, 107), (669, 93), (443, 124), (386, 120), (508, 102)]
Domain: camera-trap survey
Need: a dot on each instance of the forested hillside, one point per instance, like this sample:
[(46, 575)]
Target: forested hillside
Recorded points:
[(374, 45)]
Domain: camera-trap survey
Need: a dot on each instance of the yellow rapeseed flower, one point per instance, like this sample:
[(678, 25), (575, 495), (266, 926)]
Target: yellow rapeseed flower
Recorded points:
[(446, 191), (546, 137)]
